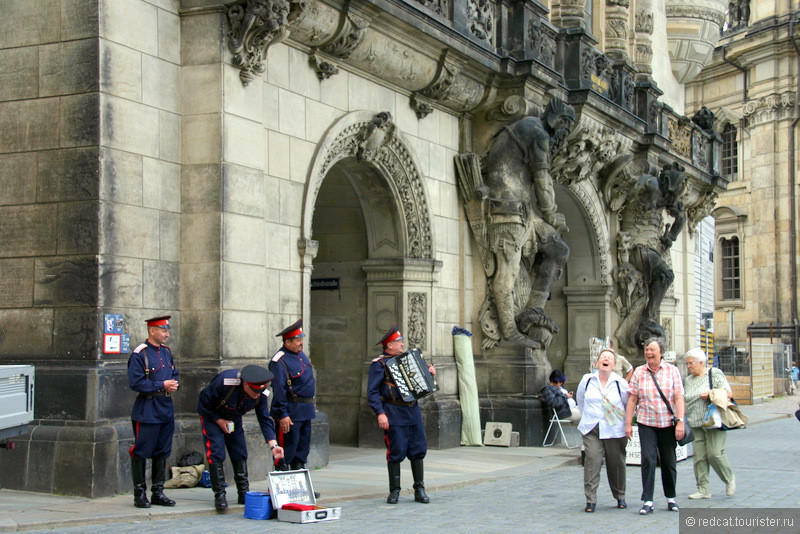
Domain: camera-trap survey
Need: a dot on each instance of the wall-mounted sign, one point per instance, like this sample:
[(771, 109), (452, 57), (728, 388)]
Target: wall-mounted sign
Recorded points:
[(112, 343), (324, 283), (112, 323)]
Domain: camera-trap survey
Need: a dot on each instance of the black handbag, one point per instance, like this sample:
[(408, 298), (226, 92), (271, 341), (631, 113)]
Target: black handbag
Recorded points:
[(688, 435)]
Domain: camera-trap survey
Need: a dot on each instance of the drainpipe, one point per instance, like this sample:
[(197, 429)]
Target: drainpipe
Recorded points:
[(739, 67), (793, 198)]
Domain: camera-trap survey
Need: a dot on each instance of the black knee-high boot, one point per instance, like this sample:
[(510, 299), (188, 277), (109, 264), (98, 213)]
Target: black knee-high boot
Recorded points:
[(138, 466), (394, 482), (419, 481), (240, 476), (158, 477), (217, 472)]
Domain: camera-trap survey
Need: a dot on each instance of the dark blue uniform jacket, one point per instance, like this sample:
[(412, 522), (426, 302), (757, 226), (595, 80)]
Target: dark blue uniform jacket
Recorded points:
[(236, 405), (158, 408), (301, 374), (379, 385)]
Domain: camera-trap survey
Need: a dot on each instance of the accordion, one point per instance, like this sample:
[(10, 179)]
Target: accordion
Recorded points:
[(410, 373)]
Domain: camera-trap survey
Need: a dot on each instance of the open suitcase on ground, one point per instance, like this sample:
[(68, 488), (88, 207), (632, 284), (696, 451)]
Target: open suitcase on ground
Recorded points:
[(295, 487)]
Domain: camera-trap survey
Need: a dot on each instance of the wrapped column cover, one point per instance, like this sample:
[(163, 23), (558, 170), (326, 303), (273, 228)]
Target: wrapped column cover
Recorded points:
[(467, 388)]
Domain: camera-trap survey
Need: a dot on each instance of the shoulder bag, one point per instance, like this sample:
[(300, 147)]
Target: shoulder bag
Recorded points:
[(688, 435), (721, 425)]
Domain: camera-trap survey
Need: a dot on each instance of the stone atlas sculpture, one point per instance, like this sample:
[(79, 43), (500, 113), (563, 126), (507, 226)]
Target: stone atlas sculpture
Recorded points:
[(643, 273), (520, 247)]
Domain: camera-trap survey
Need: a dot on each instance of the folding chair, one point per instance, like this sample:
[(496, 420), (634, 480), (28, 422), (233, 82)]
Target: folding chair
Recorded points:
[(564, 428)]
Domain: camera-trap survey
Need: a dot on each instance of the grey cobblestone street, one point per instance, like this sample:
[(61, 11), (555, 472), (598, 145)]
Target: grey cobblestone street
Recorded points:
[(765, 458)]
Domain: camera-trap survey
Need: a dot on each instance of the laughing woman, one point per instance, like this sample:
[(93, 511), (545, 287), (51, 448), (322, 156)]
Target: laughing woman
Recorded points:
[(602, 397)]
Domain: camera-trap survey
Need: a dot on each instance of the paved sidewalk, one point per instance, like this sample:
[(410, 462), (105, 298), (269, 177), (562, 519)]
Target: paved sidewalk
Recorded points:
[(352, 474)]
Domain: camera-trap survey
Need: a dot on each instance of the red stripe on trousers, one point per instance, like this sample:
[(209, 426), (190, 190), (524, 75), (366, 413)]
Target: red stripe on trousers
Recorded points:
[(207, 442)]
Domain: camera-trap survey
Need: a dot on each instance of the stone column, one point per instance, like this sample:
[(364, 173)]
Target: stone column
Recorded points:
[(617, 29), (510, 379), (400, 290), (643, 56), (588, 313)]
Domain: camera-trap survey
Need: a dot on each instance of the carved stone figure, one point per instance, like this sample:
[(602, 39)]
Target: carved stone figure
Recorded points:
[(522, 251), (643, 275)]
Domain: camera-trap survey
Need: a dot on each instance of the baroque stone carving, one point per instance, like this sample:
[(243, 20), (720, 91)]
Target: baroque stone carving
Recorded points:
[(349, 37), (446, 72), (644, 22), (769, 108), (421, 108), (681, 137), (480, 19), (643, 274), (594, 62), (643, 26), (324, 69), (542, 43), (617, 28), (523, 255), (440, 7), (255, 26), (375, 142), (589, 147), (417, 306), (703, 207), (570, 14)]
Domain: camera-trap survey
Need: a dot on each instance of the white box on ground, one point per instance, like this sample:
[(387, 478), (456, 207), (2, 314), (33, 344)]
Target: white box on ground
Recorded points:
[(295, 487), (498, 434)]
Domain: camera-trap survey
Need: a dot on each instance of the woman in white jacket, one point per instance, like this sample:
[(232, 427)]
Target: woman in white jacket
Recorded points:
[(602, 397)]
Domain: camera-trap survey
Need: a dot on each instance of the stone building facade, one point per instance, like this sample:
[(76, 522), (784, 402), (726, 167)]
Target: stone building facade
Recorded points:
[(238, 165), (751, 86)]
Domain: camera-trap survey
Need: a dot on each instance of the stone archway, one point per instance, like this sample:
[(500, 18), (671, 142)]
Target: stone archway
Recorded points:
[(586, 288), (366, 231)]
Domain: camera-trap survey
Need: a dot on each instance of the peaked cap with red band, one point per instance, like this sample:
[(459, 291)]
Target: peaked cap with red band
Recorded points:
[(161, 322), (296, 330), (393, 335), (256, 376)]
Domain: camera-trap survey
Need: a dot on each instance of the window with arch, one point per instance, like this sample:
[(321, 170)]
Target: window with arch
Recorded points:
[(731, 269), (730, 153)]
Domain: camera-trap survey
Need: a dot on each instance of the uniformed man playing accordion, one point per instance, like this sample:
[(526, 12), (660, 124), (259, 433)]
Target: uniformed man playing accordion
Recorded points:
[(400, 420)]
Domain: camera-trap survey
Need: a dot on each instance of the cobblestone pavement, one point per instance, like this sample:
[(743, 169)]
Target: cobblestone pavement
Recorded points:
[(765, 459)]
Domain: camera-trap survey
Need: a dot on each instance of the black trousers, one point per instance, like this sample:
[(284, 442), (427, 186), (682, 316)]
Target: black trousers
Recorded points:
[(658, 442)]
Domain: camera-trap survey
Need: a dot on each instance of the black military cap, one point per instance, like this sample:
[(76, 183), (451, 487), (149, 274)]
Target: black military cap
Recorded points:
[(161, 322), (296, 330), (392, 335), (256, 376)]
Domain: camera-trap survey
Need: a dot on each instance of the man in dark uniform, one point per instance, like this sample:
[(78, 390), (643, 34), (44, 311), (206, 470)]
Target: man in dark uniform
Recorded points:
[(222, 403), (293, 400), (152, 374), (401, 421)]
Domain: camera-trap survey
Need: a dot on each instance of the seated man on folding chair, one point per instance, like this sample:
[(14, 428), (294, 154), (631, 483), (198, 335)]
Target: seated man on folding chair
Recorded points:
[(556, 397)]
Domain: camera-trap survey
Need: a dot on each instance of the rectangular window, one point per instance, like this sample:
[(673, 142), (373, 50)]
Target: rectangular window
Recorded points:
[(731, 274), (730, 153)]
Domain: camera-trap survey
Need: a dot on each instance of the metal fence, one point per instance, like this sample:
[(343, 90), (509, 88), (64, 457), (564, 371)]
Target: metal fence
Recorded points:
[(733, 359)]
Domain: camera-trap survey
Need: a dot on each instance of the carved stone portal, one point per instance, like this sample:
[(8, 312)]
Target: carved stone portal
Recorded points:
[(522, 252)]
